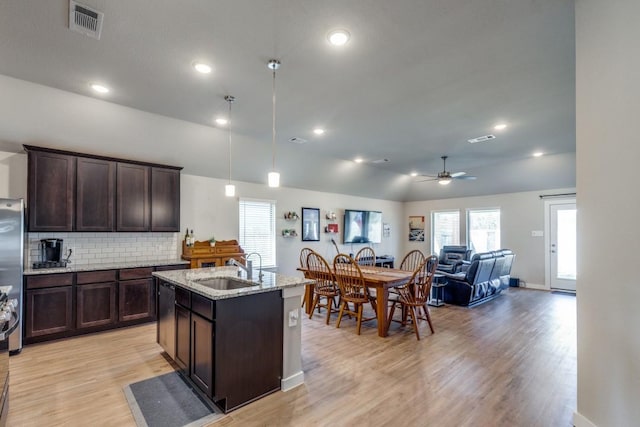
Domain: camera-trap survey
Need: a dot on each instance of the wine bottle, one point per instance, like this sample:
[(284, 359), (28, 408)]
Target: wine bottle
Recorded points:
[(186, 238), (192, 239)]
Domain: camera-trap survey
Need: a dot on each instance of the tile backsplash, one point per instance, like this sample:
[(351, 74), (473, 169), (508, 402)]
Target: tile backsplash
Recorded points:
[(94, 248)]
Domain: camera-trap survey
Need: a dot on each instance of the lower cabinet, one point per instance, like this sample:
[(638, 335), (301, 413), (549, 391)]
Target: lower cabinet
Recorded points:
[(231, 349), (67, 304), (96, 305), (201, 371), (48, 311)]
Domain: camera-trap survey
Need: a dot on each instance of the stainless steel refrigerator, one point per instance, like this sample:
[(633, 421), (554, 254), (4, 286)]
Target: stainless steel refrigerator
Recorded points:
[(11, 258)]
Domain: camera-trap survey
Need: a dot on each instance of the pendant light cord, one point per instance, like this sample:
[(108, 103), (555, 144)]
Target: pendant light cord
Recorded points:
[(230, 100), (273, 127)]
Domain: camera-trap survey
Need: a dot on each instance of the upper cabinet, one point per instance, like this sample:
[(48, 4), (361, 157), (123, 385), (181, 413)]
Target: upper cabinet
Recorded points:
[(78, 192), (95, 190), (165, 199), (51, 191), (132, 197)]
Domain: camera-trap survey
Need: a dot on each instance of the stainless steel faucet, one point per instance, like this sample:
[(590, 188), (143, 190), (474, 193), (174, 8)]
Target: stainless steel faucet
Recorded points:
[(249, 266)]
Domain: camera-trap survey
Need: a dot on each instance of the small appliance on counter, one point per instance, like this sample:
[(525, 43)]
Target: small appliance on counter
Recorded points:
[(51, 254)]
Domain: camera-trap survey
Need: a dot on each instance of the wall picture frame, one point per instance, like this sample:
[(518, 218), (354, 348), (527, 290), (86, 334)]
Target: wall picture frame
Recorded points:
[(310, 224)]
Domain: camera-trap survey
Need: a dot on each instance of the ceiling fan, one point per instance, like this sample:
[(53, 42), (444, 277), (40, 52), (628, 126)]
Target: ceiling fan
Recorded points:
[(445, 177)]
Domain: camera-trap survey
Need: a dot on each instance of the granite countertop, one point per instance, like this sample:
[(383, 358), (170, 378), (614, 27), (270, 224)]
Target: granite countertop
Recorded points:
[(188, 279), (71, 268)]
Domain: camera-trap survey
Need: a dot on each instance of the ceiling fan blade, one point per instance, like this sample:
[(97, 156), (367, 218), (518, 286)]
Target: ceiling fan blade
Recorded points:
[(464, 177), (457, 174), (428, 178)]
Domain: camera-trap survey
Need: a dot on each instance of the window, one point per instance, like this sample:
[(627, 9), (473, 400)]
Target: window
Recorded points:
[(445, 229), (483, 229), (258, 229)]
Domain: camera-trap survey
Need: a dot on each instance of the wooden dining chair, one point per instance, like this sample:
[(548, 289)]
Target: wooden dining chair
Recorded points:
[(325, 284), (414, 296), (412, 260), (352, 289), (304, 253), (366, 256)]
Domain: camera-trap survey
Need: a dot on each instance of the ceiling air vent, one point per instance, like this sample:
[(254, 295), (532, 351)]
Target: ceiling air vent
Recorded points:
[(482, 139), (297, 140), (85, 20)]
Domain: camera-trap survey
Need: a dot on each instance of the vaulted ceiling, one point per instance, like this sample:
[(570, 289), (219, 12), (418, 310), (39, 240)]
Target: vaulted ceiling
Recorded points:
[(416, 80)]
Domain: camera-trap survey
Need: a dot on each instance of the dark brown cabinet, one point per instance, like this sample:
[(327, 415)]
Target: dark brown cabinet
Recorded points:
[(78, 192), (183, 338), (96, 299), (137, 295), (95, 195), (165, 199), (132, 197), (51, 195), (48, 307), (231, 348), (201, 370)]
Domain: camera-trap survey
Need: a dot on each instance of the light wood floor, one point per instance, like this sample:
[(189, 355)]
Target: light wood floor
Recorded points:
[(510, 362)]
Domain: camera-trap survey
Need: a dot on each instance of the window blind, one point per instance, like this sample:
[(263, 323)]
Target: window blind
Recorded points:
[(445, 229), (258, 229)]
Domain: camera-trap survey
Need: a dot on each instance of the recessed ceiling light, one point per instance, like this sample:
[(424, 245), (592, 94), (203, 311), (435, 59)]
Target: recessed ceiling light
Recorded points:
[(538, 154), (99, 88), (201, 67), (414, 174), (358, 160), (221, 121), (500, 126), (318, 131), (338, 37)]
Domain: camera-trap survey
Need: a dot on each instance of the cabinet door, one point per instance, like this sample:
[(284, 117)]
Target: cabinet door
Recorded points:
[(165, 199), (95, 195), (96, 305), (48, 311), (137, 299), (201, 371), (51, 191), (183, 338), (132, 197), (166, 317)]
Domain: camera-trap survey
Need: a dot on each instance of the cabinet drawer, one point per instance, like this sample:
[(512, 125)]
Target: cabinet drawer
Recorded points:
[(172, 267), (49, 280), (183, 297), (226, 249), (136, 273), (95, 277), (202, 306)]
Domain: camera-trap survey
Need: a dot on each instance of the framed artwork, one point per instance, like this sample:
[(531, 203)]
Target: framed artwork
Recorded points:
[(416, 228), (310, 224)]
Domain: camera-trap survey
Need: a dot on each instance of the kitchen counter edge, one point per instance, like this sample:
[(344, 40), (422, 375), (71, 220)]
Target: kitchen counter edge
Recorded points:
[(188, 279), (103, 266)]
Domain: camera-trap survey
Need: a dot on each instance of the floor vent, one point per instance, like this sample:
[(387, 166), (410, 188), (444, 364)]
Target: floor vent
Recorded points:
[(482, 139), (85, 20)]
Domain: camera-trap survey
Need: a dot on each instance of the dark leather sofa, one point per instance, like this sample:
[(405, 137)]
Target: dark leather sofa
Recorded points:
[(452, 258), (483, 279)]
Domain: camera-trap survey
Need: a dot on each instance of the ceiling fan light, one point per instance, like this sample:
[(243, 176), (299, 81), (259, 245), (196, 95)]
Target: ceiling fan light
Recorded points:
[(274, 179), (230, 190), (444, 181)]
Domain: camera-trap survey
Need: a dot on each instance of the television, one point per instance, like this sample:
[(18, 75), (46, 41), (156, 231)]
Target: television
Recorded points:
[(362, 226)]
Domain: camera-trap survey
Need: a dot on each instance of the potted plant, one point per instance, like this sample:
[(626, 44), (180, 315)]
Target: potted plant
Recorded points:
[(212, 241)]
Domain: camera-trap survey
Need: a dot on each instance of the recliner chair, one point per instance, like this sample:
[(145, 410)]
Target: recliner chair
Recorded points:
[(452, 258)]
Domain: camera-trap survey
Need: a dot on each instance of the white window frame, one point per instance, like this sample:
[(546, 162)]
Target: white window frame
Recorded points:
[(248, 247), (468, 224), (433, 224)]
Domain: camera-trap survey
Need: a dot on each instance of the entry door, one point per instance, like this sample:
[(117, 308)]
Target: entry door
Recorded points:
[(562, 246)]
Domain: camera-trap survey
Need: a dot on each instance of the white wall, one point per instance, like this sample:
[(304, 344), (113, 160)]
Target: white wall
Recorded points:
[(520, 213), (205, 208), (608, 107), (13, 175)]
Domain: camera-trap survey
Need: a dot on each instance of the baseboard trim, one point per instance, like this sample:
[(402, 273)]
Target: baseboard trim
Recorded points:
[(581, 421), (292, 382), (535, 286)]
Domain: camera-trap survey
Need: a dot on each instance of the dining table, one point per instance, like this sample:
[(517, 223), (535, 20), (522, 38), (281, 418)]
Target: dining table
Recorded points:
[(379, 278)]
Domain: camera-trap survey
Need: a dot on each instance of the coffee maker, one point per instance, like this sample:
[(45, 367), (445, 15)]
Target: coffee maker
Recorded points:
[(50, 254)]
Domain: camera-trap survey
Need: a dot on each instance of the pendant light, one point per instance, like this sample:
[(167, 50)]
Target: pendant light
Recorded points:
[(229, 189), (273, 177)]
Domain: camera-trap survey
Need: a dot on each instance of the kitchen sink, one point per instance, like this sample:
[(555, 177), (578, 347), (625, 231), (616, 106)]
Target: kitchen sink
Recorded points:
[(224, 283)]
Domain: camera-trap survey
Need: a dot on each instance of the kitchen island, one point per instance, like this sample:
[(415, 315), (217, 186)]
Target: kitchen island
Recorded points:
[(235, 339)]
